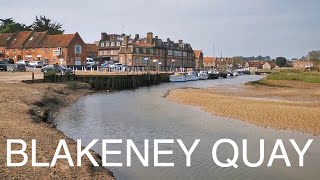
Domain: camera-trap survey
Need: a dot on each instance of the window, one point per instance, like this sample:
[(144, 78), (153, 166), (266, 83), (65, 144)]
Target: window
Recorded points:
[(49, 49), (144, 50), (118, 43), (137, 50), (102, 44), (122, 43), (14, 50), (42, 49), (151, 51), (27, 49), (112, 44), (77, 49), (107, 44)]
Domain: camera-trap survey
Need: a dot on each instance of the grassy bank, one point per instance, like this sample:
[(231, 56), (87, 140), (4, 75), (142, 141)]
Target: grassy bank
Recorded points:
[(307, 77), (288, 79)]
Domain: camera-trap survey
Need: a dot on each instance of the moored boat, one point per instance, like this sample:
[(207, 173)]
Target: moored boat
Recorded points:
[(178, 77), (203, 75), (191, 76)]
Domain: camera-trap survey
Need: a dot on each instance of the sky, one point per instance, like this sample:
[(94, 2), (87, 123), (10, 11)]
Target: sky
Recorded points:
[(288, 28)]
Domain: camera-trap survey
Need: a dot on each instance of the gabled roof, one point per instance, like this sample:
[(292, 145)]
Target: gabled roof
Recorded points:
[(255, 63), (197, 53), (34, 39), (18, 40), (59, 40), (4, 38), (92, 48)]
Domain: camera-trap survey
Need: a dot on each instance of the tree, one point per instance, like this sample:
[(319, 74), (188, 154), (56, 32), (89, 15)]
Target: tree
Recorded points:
[(8, 25), (42, 23), (314, 56), (281, 61)]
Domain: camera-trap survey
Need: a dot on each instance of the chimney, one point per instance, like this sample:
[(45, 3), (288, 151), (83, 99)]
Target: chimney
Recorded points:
[(180, 41), (156, 37), (136, 37), (104, 36), (126, 41), (150, 38)]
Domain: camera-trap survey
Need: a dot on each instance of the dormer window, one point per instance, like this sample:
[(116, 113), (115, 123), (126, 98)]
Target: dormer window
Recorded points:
[(102, 44)]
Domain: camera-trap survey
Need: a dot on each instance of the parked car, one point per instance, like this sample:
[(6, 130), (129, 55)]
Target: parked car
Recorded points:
[(57, 69), (25, 62), (39, 65), (19, 67), (105, 65), (90, 61), (116, 66), (33, 63), (3, 66), (92, 66)]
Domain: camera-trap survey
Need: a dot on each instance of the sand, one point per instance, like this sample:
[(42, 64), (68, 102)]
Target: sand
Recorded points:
[(17, 102), (294, 107)]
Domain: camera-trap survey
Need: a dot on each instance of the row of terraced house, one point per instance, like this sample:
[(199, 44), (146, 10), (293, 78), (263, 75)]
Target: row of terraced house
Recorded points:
[(71, 50), (148, 51), (65, 49)]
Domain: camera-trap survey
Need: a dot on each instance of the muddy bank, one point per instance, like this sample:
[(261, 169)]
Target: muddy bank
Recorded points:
[(27, 112), (282, 105)]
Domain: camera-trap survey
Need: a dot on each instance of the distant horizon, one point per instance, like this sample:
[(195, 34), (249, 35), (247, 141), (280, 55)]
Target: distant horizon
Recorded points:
[(247, 28)]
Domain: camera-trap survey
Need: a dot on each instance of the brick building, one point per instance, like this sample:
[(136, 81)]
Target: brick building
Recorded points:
[(109, 46), (92, 50), (199, 59), (66, 49), (209, 63), (168, 54)]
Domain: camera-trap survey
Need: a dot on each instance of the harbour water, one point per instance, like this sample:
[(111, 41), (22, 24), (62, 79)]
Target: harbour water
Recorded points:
[(144, 113)]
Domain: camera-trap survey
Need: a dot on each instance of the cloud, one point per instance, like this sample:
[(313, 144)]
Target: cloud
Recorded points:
[(247, 27)]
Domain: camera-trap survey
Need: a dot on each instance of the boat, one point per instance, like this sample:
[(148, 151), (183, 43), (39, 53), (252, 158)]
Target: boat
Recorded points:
[(231, 75), (203, 75), (213, 74), (191, 76), (177, 77)]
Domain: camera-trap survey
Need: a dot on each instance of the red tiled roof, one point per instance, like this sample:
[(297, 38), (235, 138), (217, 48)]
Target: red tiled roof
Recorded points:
[(34, 39), (60, 40), (197, 53), (209, 59), (4, 38), (19, 39), (255, 63), (92, 48)]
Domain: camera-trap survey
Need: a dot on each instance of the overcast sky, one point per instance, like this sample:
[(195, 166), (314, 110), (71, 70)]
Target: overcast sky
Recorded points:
[(288, 28)]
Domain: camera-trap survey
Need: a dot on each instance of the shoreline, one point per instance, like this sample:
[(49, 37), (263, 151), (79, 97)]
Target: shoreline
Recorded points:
[(28, 112), (293, 106)]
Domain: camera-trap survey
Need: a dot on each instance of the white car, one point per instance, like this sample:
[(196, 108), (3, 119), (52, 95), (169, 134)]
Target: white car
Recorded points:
[(90, 61), (33, 63), (116, 66)]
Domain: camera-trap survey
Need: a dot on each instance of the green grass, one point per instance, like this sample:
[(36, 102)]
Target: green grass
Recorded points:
[(308, 77)]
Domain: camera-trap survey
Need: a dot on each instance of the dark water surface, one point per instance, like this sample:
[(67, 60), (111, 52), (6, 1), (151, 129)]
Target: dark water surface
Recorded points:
[(144, 114)]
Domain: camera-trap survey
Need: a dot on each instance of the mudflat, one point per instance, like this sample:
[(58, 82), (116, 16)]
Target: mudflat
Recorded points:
[(278, 104), (22, 106)]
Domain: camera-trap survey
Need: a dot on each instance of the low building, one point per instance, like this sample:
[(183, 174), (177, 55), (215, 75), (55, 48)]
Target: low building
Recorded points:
[(268, 65), (92, 50), (65, 49), (302, 64), (254, 65), (199, 59)]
